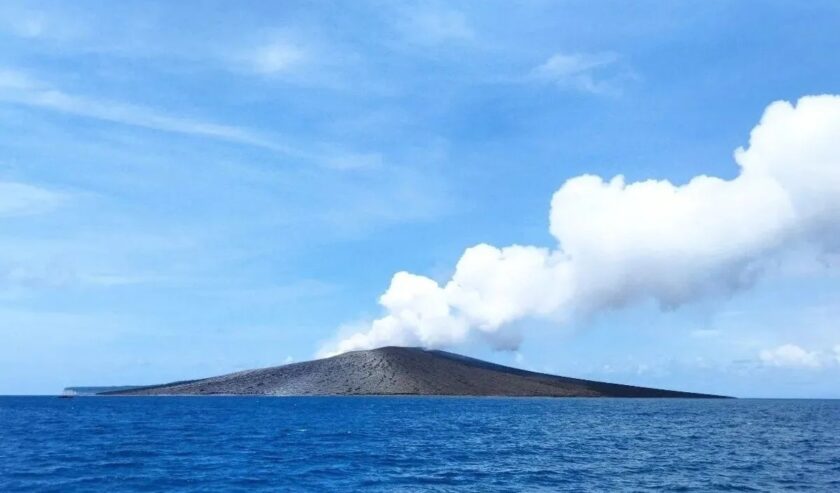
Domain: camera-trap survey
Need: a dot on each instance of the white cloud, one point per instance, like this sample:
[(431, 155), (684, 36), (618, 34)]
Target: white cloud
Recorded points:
[(26, 23), (352, 161), (579, 71), (619, 243), (705, 333), (11, 80), (17, 277), (30, 27), (20, 199), (276, 57), (791, 356), (432, 26)]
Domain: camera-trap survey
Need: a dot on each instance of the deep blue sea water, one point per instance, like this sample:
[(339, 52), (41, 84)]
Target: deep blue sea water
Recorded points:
[(417, 444)]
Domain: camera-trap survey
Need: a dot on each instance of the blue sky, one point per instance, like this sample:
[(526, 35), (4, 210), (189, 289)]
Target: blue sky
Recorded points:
[(193, 188)]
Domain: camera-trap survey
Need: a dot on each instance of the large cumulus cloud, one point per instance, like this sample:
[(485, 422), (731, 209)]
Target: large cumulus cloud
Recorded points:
[(618, 242)]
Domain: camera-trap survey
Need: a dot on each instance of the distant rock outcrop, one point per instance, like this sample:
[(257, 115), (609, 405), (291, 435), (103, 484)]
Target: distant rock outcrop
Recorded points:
[(81, 391), (399, 371)]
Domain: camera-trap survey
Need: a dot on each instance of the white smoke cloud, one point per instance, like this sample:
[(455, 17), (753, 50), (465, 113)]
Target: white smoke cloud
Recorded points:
[(620, 243)]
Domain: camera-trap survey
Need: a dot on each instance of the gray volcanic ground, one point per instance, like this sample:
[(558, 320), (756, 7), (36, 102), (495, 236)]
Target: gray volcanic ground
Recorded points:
[(399, 371)]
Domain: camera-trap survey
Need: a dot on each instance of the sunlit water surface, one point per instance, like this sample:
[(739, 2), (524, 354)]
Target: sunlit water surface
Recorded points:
[(417, 444)]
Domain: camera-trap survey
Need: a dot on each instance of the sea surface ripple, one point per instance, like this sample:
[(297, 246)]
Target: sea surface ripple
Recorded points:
[(417, 444)]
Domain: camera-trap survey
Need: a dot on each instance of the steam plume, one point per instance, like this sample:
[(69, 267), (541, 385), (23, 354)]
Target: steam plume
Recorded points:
[(620, 243)]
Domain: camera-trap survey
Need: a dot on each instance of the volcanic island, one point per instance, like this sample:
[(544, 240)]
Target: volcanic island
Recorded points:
[(389, 371)]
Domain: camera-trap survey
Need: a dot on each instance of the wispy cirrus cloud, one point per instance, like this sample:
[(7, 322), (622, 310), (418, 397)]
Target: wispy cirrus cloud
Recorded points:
[(432, 26), (30, 22), (19, 88), (300, 59), (21, 199), (275, 57), (585, 72)]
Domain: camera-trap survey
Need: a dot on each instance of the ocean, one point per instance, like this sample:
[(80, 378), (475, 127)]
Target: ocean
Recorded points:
[(417, 444)]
